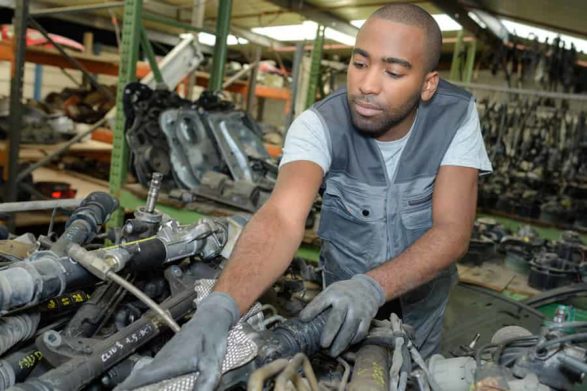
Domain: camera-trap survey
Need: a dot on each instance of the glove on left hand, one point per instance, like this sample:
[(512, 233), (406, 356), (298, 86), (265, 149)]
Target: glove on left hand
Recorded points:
[(354, 304)]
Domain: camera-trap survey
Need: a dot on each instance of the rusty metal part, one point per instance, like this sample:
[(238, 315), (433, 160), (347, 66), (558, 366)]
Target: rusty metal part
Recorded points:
[(371, 372)]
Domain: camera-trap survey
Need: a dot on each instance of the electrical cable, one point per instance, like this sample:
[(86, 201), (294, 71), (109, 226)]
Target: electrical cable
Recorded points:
[(567, 338)]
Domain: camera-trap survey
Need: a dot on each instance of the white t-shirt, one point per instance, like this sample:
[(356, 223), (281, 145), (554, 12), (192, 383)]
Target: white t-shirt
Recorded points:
[(307, 140)]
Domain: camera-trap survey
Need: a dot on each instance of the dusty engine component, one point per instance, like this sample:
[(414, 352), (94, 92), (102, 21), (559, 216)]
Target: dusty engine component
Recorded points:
[(80, 315), (204, 149), (39, 126), (80, 104)]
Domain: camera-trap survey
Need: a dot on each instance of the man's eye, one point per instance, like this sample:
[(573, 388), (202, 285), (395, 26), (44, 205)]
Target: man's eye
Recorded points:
[(359, 65), (393, 75)]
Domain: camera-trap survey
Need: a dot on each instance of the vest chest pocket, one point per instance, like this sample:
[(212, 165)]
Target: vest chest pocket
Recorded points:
[(416, 216), (354, 221)]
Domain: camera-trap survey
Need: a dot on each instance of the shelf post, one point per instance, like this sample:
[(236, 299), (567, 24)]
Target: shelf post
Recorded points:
[(21, 16), (219, 59), (126, 74)]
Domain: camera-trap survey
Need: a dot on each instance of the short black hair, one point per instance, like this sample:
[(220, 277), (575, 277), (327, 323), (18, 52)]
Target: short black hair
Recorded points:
[(413, 15)]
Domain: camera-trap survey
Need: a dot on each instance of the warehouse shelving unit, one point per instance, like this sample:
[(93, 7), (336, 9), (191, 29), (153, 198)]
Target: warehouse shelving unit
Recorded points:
[(127, 68)]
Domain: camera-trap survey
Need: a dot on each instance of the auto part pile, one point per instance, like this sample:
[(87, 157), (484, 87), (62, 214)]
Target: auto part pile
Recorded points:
[(204, 149), (77, 314), (548, 65), (548, 264), (40, 125), (538, 152)]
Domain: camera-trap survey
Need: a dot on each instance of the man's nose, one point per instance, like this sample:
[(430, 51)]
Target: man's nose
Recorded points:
[(371, 82)]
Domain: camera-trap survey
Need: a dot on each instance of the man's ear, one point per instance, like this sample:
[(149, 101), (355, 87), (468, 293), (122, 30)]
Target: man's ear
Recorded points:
[(430, 84)]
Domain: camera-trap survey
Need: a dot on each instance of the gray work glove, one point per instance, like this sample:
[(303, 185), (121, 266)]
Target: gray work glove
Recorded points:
[(353, 304), (200, 346)]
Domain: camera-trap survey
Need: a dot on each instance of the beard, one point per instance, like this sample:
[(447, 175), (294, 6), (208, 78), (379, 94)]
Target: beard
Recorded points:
[(378, 125)]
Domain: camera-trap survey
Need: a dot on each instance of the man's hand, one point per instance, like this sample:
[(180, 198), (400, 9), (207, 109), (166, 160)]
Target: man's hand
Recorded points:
[(200, 346), (353, 304)]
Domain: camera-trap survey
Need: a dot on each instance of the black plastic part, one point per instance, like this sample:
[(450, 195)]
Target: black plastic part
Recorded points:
[(147, 255), (81, 370), (291, 337)]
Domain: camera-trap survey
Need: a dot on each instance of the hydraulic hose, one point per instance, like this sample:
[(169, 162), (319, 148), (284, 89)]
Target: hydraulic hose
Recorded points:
[(47, 274), (86, 220), (81, 370), (14, 329), (17, 366)]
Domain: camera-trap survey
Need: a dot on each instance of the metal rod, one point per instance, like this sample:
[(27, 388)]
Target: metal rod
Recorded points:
[(295, 77), (58, 152), (253, 81), (148, 49), (239, 74), (315, 66), (38, 82), (10, 207), (165, 316), (470, 61), (521, 91), (77, 8), (72, 60), (219, 59), (17, 75), (456, 57)]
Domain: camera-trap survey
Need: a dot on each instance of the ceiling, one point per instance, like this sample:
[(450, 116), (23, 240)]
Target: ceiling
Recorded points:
[(565, 16)]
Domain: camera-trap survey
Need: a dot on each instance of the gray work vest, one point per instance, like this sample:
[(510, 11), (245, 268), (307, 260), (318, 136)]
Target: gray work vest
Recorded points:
[(368, 218)]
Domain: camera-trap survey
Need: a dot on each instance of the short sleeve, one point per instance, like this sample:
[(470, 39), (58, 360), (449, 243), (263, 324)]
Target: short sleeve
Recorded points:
[(307, 140), (467, 148)]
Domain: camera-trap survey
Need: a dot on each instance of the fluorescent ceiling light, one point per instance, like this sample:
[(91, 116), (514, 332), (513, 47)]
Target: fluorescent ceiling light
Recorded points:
[(210, 39), (302, 32), (530, 32), (445, 22)]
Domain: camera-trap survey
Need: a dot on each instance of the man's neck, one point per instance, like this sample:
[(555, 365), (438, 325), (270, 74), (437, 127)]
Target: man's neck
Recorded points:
[(400, 130)]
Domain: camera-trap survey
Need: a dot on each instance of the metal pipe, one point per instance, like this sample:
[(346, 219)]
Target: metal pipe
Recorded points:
[(240, 73), (258, 378), (148, 49), (17, 75), (253, 82), (371, 371), (153, 193), (345, 376), (77, 8), (99, 267), (58, 152), (297, 65), (220, 47), (10, 207), (291, 370), (165, 316)]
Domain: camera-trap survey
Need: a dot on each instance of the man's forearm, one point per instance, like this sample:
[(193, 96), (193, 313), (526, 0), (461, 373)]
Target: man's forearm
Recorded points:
[(262, 254), (422, 261)]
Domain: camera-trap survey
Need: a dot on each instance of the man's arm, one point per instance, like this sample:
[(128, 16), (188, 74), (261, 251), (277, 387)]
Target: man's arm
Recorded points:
[(270, 240), (453, 213)]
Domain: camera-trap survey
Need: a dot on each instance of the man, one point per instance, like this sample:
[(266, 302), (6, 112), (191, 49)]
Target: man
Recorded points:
[(399, 153)]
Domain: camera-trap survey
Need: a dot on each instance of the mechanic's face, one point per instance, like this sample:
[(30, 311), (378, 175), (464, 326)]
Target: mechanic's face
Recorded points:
[(387, 78)]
